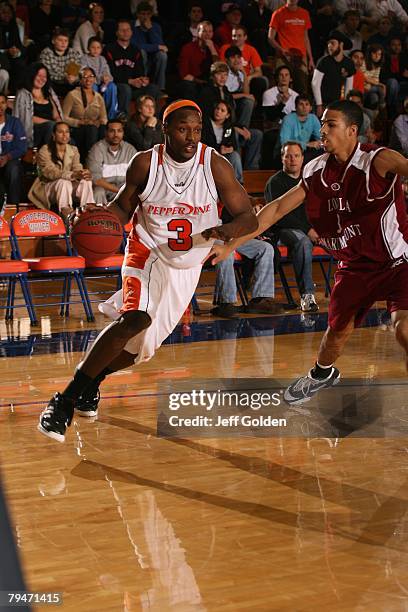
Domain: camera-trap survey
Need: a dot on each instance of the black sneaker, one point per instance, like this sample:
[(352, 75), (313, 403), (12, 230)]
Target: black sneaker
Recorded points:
[(304, 388), (264, 305), (56, 417), (87, 404), (225, 310)]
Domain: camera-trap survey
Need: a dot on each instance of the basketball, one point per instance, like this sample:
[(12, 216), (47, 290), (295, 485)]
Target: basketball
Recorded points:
[(97, 234)]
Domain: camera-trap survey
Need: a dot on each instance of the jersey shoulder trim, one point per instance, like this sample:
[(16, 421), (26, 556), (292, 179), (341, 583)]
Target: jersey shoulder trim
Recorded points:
[(152, 172), (314, 166)]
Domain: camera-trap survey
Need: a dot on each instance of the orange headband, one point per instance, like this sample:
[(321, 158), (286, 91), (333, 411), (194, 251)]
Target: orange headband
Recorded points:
[(180, 104)]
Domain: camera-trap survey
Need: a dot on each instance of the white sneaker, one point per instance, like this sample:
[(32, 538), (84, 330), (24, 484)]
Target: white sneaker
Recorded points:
[(308, 303)]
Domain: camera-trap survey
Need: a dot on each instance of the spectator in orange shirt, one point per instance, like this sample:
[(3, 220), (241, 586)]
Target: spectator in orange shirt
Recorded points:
[(288, 34), (223, 34), (251, 62)]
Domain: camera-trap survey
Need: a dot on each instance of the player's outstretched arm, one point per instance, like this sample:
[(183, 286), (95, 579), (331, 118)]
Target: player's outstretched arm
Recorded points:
[(390, 161), (267, 216), (127, 199), (235, 199)]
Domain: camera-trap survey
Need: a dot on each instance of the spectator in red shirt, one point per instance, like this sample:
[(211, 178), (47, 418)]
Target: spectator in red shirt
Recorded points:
[(288, 34), (223, 34), (357, 57), (195, 61)]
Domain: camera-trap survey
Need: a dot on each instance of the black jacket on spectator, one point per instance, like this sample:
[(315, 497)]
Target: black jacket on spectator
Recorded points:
[(124, 63), (387, 72), (228, 138), (257, 24), (144, 137), (42, 25), (9, 36), (4, 61), (210, 95), (321, 24), (253, 19)]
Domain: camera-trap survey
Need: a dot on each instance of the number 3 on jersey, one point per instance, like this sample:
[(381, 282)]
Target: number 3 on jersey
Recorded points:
[(184, 228)]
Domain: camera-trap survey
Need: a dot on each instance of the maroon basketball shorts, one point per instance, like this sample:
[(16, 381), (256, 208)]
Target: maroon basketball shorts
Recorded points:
[(357, 286)]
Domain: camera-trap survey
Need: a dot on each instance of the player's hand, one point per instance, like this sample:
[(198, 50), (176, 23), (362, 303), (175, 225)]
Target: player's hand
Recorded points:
[(219, 232), (218, 253), (313, 235), (91, 207)]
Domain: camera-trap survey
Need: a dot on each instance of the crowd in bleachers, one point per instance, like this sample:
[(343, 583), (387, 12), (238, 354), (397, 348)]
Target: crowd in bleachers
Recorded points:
[(261, 70), (82, 88)]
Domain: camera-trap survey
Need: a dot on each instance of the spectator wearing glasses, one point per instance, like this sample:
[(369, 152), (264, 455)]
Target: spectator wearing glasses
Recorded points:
[(104, 79)]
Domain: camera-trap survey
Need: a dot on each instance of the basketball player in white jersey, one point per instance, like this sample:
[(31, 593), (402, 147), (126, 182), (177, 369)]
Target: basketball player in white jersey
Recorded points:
[(171, 195)]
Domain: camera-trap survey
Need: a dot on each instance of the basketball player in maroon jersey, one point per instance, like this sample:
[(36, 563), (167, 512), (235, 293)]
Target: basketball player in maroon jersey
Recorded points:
[(163, 257), (354, 201)]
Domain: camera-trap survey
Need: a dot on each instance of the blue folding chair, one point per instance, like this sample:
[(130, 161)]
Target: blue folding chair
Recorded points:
[(68, 267), (13, 271)]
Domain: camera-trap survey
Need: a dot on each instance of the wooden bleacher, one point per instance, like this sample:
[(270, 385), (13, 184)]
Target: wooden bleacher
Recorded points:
[(255, 181)]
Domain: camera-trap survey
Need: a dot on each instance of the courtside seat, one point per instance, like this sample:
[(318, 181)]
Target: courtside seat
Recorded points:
[(110, 261), (57, 263), (10, 266), (319, 255), (41, 224), (320, 251), (109, 266), (11, 271), (105, 267)]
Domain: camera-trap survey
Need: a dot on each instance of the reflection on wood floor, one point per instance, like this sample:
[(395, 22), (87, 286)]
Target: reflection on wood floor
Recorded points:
[(119, 519)]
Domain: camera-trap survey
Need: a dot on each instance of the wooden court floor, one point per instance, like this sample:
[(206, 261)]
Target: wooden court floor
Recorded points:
[(120, 519)]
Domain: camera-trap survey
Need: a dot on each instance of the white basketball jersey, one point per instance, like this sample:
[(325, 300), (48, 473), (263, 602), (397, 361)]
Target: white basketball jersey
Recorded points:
[(178, 203)]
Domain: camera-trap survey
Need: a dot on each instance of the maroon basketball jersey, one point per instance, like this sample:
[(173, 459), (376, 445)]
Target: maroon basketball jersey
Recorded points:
[(359, 215)]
